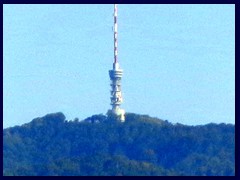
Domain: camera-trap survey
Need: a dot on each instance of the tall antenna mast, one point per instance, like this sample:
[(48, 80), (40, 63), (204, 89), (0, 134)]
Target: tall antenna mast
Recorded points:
[(115, 34), (115, 76)]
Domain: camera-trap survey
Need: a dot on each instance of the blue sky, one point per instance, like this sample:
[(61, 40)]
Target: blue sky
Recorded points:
[(178, 61)]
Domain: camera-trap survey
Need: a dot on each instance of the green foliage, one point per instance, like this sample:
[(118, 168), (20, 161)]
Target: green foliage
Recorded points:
[(100, 145)]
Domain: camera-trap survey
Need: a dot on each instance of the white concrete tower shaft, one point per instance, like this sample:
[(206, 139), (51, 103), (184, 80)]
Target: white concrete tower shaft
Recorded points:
[(116, 76)]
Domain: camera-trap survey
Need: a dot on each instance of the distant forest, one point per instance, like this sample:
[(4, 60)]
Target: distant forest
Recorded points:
[(101, 146)]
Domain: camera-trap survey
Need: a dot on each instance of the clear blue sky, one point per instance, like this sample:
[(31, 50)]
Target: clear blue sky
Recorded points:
[(178, 61)]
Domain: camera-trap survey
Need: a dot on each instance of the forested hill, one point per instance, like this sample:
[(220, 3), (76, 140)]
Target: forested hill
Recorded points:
[(142, 145)]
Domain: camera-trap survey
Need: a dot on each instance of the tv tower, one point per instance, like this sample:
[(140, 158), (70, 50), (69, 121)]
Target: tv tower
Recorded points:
[(115, 77)]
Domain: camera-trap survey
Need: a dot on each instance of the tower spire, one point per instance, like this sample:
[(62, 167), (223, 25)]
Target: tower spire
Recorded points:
[(115, 77), (115, 33)]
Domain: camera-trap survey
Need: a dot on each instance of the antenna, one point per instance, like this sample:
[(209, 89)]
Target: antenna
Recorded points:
[(115, 76), (115, 34)]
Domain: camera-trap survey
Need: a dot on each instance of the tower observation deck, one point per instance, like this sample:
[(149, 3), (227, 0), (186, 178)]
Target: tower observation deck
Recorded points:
[(115, 76)]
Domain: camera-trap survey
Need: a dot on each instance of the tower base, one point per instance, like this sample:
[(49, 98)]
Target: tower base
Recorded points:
[(120, 113), (117, 114)]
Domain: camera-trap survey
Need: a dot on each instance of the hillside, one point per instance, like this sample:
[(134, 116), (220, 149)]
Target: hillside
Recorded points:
[(98, 145)]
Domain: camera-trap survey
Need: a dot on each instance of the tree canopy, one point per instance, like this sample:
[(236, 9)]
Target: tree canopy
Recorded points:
[(99, 145)]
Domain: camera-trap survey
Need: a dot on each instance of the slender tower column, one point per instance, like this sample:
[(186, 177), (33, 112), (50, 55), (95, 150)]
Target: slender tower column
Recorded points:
[(116, 76)]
